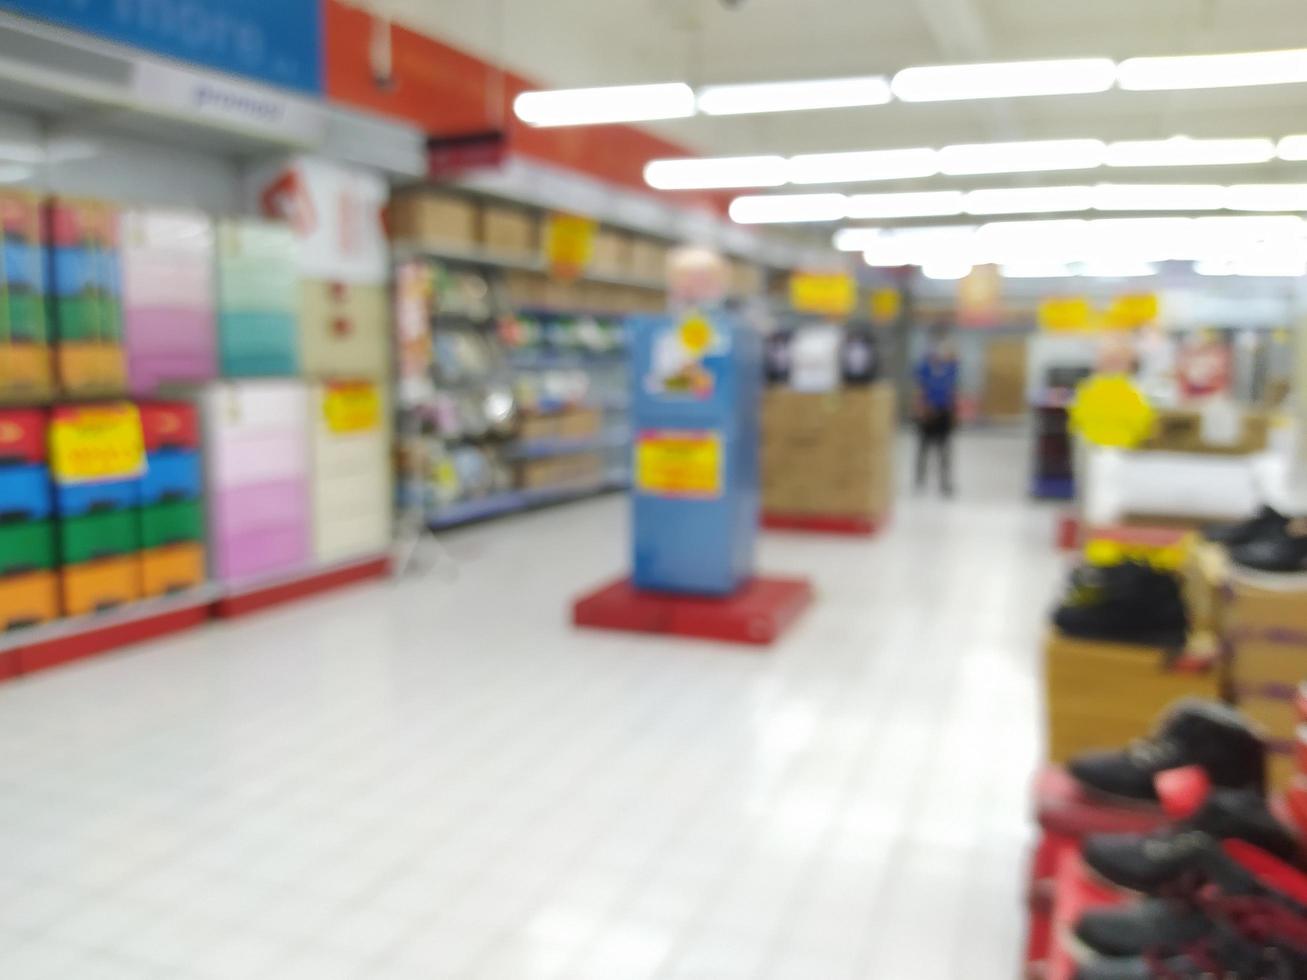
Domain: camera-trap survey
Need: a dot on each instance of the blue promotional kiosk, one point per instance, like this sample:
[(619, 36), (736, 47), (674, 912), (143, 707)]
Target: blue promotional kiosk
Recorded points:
[(696, 382)]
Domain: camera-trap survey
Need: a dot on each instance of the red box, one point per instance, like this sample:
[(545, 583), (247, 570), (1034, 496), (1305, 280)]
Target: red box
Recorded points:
[(170, 425), (81, 222), (22, 436)]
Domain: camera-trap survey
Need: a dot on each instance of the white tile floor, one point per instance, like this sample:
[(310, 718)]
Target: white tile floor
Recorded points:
[(439, 779)]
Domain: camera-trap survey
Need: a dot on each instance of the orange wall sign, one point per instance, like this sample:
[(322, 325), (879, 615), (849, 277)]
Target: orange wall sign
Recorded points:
[(383, 67)]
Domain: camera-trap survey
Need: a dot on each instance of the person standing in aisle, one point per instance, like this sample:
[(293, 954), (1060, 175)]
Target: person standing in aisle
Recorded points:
[(936, 378)]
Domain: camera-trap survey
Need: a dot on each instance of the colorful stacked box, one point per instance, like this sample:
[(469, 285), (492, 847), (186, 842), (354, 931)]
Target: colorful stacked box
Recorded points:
[(172, 490), (29, 592), (168, 298), (258, 300), (85, 296), (351, 479), (97, 457), (345, 330), (256, 443), (26, 369)]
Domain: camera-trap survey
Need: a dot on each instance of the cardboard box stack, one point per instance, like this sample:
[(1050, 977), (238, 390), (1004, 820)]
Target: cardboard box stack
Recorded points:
[(1268, 637), (351, 483), (828, 454), (97, 461), (258, 299), (426, 217), (26, 367), (168, 297), (29, 592), (85, 296), (1181, 431), (508, 230), (172, 499), (569, 471)]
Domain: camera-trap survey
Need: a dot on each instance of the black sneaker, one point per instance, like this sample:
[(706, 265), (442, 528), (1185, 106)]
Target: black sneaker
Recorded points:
[(1268, 519), (1282, 549), (1192, 732), (1190, 849), (1127, 603)]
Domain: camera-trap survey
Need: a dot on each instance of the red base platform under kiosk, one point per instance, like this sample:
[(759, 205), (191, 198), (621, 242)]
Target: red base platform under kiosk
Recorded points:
[(851, 525), (757, 614)]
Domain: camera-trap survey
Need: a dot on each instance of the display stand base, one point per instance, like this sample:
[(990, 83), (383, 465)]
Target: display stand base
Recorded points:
[(262, 595), (833, 524), (757, 614)]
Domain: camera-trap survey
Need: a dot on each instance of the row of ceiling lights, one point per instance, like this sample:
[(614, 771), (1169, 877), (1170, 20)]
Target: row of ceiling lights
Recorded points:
[(965, 159), (1003, 80), (775, 208)]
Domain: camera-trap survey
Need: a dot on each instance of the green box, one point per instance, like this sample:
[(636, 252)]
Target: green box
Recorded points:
[(171, 523), (89, 317), (22, 318), (94, 536), (26, 547)]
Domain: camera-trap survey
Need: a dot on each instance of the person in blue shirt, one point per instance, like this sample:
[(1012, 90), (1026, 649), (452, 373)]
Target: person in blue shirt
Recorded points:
[(936, 377)]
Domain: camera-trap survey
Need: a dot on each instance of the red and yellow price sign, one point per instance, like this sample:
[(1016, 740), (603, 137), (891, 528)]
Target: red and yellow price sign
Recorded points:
[(92, 443), (352, 406), (682, 463), (569, 244), (824, 293)]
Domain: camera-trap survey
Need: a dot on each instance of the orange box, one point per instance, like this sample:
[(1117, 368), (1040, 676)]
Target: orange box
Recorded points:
[(174, 568), (98, 585), (91, 368), (26, 372), (28, 599)]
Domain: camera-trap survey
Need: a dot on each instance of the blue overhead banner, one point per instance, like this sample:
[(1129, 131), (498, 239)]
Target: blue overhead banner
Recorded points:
[(273, 41)]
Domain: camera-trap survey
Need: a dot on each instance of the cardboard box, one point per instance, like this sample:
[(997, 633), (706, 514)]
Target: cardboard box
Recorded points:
[(1268, 665), (508, 230), (1181, 430), (612, 252), (575, 470), (430, 217), (1101, 695), (648, 259), (580, 423), (533, 428), (1203, 576)]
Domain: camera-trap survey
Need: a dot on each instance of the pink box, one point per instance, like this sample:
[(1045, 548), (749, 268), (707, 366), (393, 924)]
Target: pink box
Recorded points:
[(260, 456), (262, 552), (238, 510), (169, 345), (152, 280)]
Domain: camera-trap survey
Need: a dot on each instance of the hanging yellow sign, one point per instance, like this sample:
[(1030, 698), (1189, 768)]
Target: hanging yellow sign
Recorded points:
[(93, 443), (1066, 313), (1108, 410), (1132, 310), (350, 407), (824, 293), (886, 305), (569, 244), (682, 463)]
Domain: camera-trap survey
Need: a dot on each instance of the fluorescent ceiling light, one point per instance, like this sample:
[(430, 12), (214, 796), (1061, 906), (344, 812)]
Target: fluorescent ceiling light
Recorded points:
[(615, 103), (1004, 80), (921, 204), (886, 255), (835, 168), (1029, 200), (1035, 270), (1213, 70), (1266, 197), (12, 173), (761, 171), (1024, 157), (1142, 239), (857, 239), (1181, 151), (946, 270), (1214, 267), (824, 93), (1292, 148), (776, 208), (1159, 197), (1020, 242), (1275, 270), (1118, 270)]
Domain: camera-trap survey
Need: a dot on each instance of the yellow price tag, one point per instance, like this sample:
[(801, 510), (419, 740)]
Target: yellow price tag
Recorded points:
[(828, 294), (569, 244), (1108, 410), (351, 407), (683, 463), (92, 443), (1066, 313)]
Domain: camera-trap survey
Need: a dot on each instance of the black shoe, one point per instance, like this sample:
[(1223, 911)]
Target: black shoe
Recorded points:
[(1282, 549), (1192, 732), (1130, 930), (1189, 851), (1127, 603), (1268, 519)]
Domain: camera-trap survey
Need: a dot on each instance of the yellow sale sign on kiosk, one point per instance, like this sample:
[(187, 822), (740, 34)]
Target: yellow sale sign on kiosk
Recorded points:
[(353, 406), (92, 443), (824, 293), (1108, 410), (679, 463)]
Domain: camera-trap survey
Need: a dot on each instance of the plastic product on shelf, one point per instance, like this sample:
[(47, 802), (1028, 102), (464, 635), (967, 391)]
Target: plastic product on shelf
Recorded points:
[(172, 568), (168, 297), (258, 299), (26, 364), (28, 599), (103, 584), (351, 484), (345, 330)]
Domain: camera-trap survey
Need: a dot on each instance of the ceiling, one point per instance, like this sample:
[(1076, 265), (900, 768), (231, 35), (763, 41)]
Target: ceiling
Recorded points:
[(569, 43)]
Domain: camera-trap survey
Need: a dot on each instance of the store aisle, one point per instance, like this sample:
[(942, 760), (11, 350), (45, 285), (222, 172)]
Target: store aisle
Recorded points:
[(440, 779)]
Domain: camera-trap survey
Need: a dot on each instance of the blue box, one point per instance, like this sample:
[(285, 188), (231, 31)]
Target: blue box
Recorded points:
[(695, 409), (77, 499), (254, 344), (172, 476), (25, 493), (24, 265)]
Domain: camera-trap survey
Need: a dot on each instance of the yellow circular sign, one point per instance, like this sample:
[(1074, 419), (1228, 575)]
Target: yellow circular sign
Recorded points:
[(1109, 410), (696, 334)]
